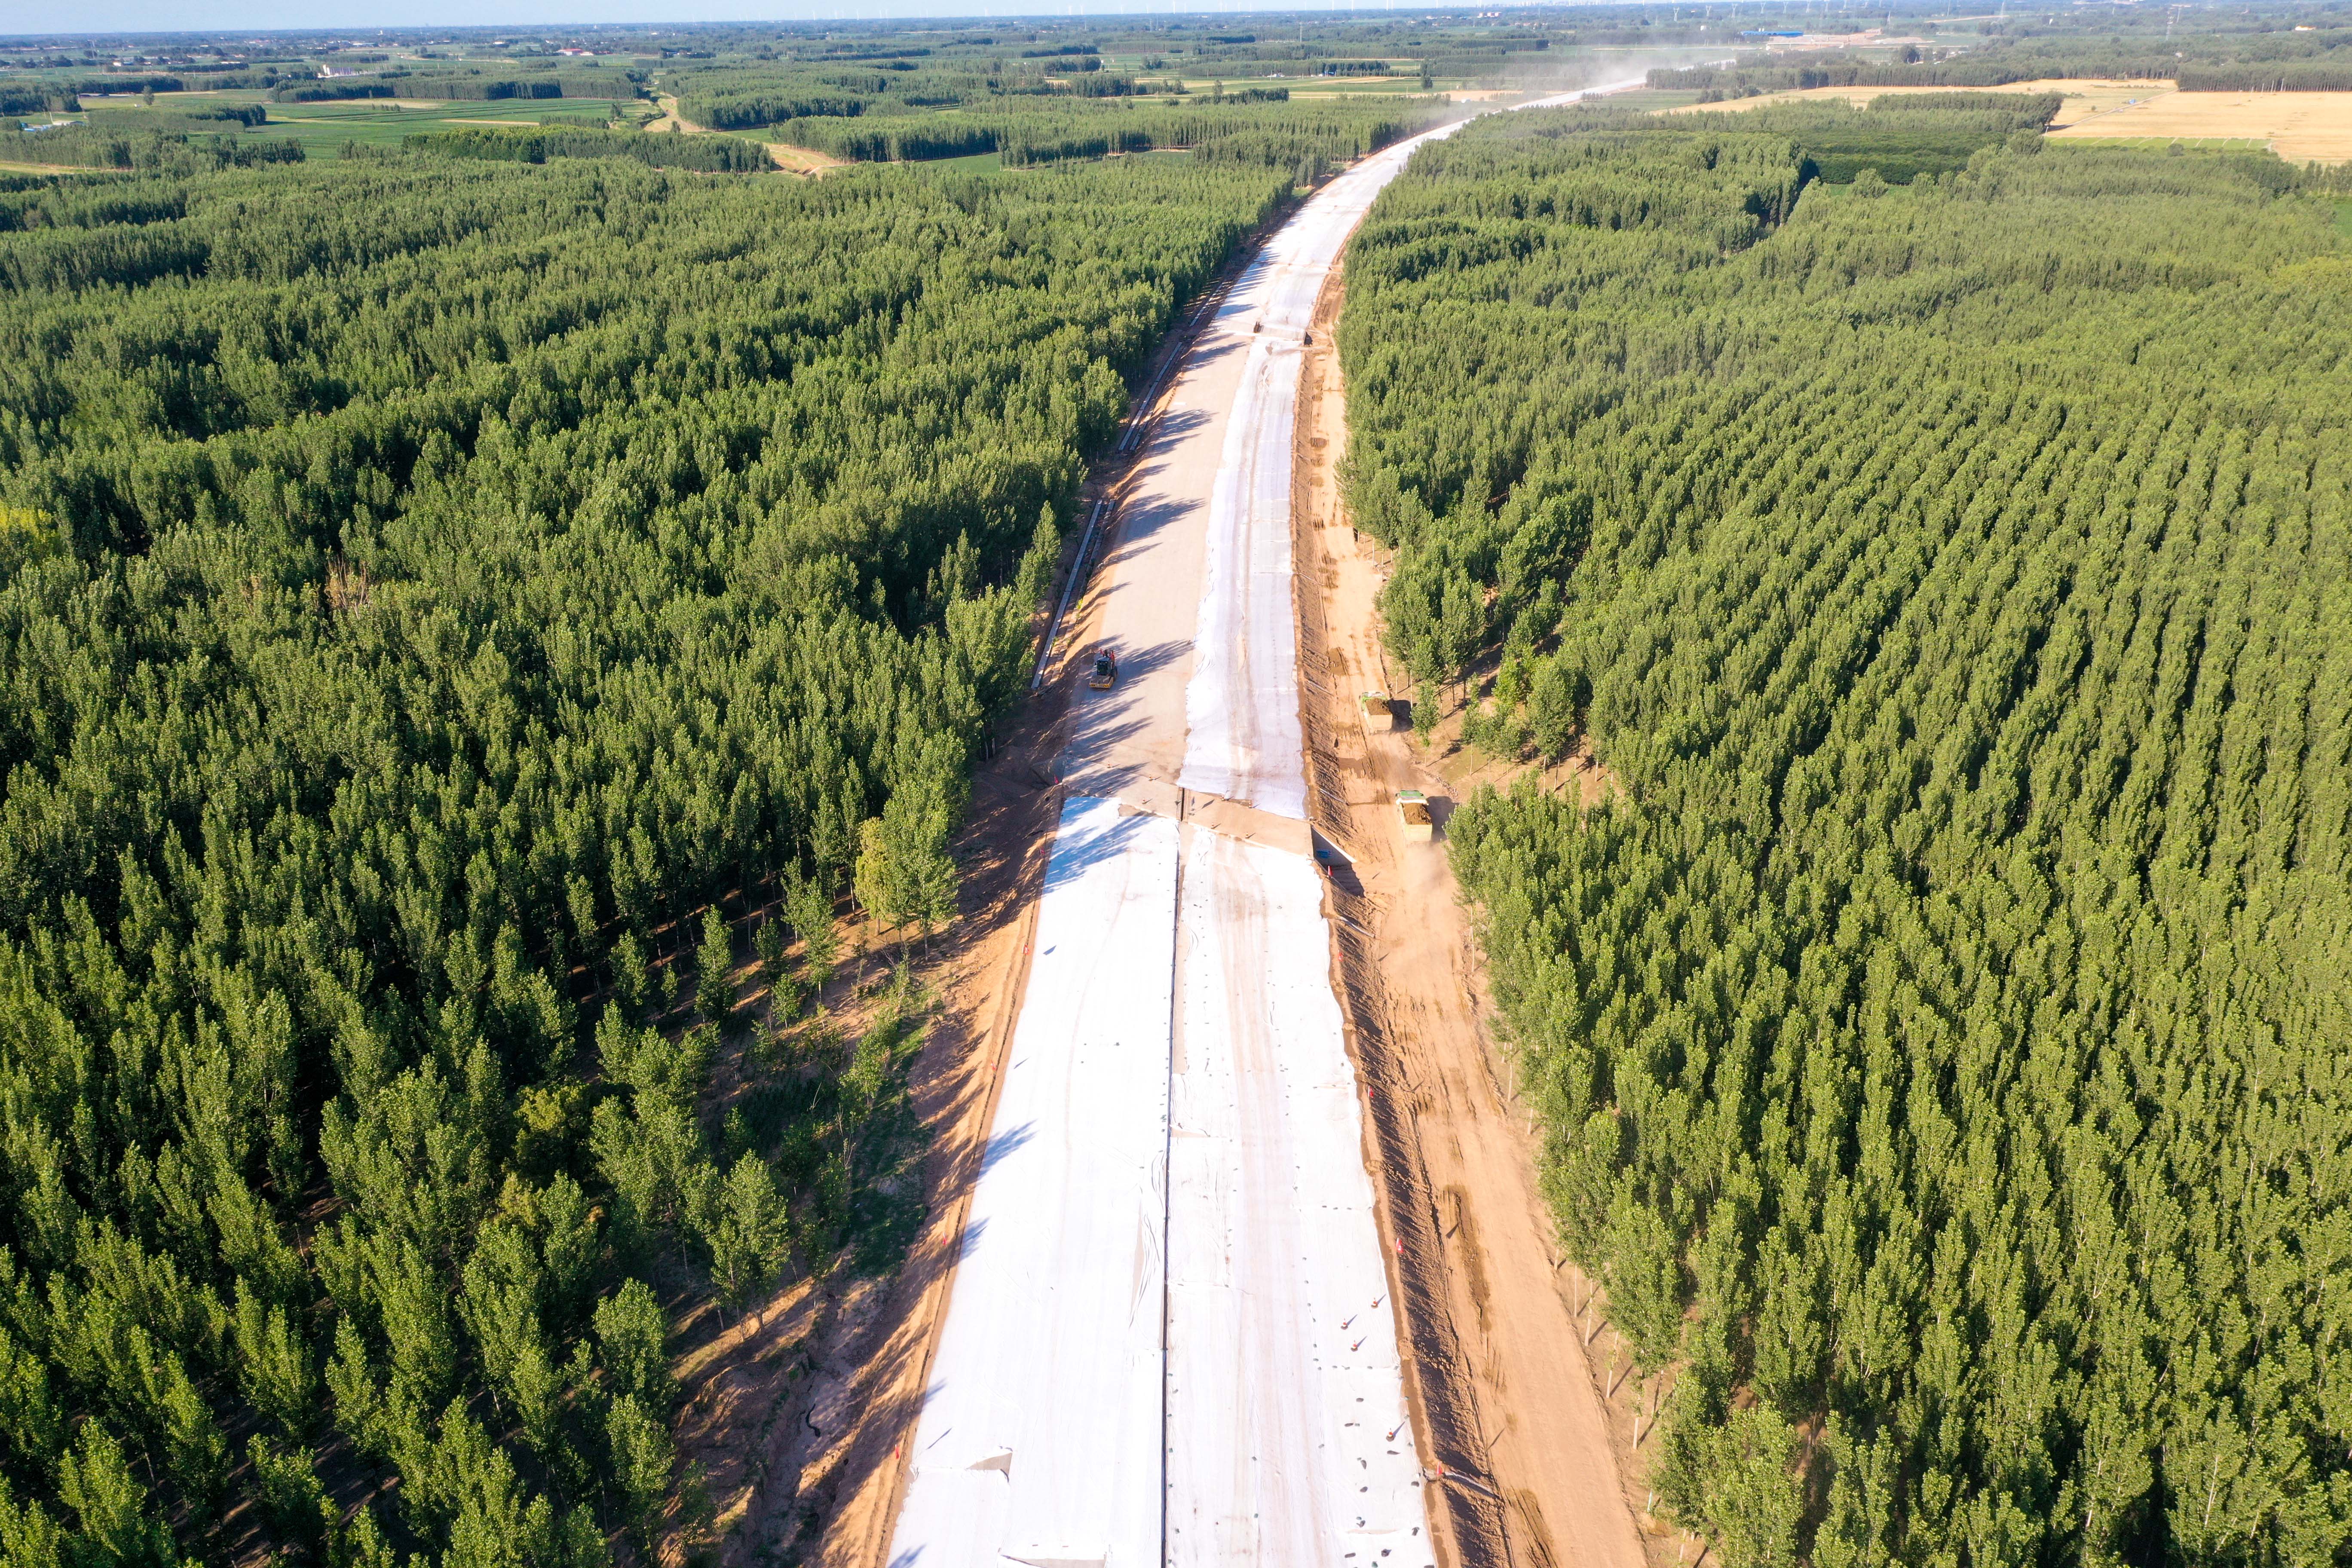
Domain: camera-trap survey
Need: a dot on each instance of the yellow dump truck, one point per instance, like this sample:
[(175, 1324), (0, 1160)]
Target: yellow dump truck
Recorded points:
[(1379, 713), (1412, 811)]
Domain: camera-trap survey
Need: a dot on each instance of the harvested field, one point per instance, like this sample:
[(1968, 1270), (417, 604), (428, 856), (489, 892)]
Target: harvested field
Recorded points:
[(2087, 97), (2300, 127)]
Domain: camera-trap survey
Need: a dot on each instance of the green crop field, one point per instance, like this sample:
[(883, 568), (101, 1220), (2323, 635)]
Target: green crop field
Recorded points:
[(384, 124), (320, 127)]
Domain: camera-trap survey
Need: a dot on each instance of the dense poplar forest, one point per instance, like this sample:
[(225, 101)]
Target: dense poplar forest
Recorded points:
[(1308, 139), (1041, 105), (453, 615), (1942, 1028)]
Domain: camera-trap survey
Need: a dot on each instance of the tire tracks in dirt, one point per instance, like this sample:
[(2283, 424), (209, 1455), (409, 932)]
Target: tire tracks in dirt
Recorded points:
[(1502, 1391)]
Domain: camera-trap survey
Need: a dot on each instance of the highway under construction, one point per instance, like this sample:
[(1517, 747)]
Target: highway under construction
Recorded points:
[(1172, 1335)]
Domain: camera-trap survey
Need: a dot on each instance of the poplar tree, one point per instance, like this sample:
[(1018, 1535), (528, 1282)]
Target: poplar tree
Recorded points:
[(1937, 1022)]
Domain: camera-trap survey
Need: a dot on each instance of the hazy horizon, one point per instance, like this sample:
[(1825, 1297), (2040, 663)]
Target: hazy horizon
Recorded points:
[(18, 19)]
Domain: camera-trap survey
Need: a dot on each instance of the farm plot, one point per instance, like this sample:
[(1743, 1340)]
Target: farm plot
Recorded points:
[(2300, 127)]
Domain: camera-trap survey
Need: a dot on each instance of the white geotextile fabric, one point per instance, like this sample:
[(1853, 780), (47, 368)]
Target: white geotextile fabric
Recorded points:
[(1287, 1436), (1242, 737), (1242, 734), (1040, 1436)]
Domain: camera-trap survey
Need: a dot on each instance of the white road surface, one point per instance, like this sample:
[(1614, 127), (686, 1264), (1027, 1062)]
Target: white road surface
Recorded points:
[(1170, 1339), (1041, 1435), (1287, 1436)]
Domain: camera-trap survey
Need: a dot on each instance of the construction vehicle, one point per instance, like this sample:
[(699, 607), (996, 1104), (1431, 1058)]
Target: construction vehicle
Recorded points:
[(1105, 674), (1379, 713), (1412, 811)]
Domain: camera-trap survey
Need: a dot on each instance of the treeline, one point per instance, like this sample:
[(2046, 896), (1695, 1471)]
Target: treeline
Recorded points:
[(2261, 58), (2267, 78), (709, 99), (1901, 137), (1009, 106), (744, 111), (451, 616), (65, 94), (40, 201), (1715, 83), (1270, 133), (455, 87), (261, 76), (1941, 1028), (19, 99), (740, 97), (197, 116), (176, 145), (536, 144)]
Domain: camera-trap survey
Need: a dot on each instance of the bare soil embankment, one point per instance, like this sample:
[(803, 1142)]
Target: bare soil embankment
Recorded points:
[(794, 1413), (831, 1468), (1510, 1364)]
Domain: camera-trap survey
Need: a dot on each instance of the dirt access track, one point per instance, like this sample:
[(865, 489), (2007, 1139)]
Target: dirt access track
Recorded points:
[(1535, 1363)]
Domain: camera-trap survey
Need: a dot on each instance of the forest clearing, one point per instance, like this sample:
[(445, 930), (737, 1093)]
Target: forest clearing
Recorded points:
[(802, 160)]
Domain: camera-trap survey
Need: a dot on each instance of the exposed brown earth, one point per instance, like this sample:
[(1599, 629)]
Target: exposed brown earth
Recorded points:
[(668, 120), (802, 160), (794, 1412), (1520, 1370)]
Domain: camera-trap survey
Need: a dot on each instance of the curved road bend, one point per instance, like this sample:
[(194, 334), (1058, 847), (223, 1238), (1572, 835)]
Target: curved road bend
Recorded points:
[(1170, 1339)]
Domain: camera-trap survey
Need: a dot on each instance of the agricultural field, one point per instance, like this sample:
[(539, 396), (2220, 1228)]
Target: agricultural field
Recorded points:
[(322, 127), (2300, 127), (2081, 100), (1939, 1022)]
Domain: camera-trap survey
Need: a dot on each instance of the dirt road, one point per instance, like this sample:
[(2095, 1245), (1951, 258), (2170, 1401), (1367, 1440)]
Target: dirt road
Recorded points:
[(1545, 1440)]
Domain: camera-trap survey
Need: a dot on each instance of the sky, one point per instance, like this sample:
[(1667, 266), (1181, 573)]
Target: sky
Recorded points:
[(35, 16)]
